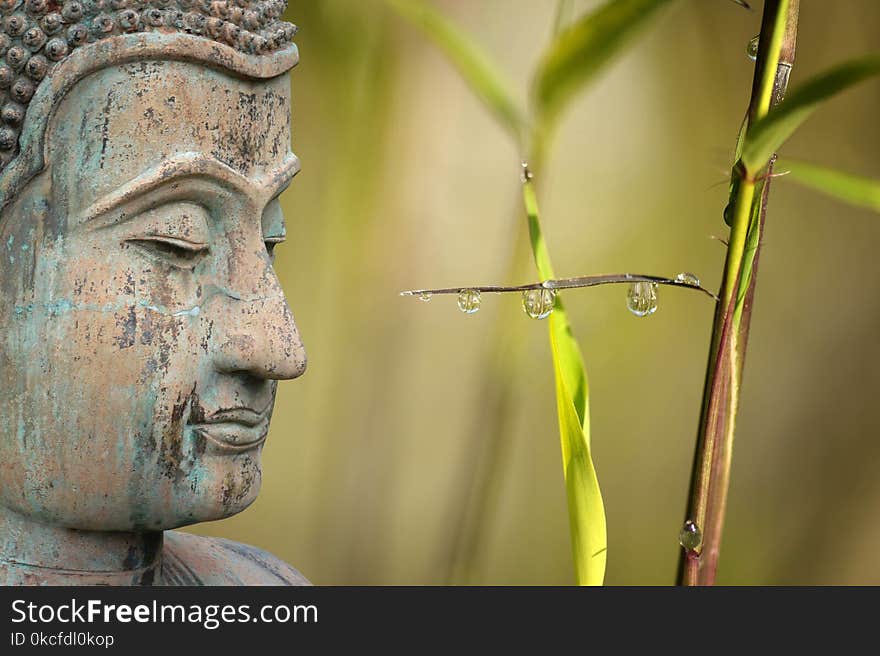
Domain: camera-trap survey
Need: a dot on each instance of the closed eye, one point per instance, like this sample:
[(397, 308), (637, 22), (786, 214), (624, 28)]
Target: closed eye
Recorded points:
[(180, 253)]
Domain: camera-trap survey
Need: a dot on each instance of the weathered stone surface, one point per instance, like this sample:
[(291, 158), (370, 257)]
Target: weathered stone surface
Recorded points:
[(37, 33)]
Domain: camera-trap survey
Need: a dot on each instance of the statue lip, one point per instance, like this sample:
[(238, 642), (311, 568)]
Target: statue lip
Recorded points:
[(240, 415), (236, 429)]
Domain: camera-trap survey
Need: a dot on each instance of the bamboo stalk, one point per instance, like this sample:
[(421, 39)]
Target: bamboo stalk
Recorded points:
[(710, 480)]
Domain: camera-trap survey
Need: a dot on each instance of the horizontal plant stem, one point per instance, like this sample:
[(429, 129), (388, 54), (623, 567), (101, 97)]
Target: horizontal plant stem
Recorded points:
[(566, 283)]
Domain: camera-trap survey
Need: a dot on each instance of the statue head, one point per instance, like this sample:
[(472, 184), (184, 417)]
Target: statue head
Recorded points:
[(143, 148)]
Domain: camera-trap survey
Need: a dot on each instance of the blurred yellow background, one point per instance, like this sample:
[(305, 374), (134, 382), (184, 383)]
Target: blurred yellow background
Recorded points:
[(392, 461)]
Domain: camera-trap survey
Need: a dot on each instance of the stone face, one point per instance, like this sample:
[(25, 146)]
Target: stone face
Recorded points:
[(142, 329)]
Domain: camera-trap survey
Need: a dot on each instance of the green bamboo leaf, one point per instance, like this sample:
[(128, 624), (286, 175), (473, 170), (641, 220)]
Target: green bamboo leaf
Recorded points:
[(750, 250), (768, 134), (478, 71), (572, 365), (581, 50), (735, 178), (848, 187), (563, 12), (536, 236), (586, 511)]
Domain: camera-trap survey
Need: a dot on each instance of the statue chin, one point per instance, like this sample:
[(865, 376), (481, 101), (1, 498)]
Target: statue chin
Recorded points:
[(235, 488), (143, 330)]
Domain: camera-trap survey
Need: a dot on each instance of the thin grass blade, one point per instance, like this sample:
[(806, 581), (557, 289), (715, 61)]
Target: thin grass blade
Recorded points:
[(472, 63), (582, 50), (563, 13), (847, 187), (733, 189), (586, 511), (768, 134)]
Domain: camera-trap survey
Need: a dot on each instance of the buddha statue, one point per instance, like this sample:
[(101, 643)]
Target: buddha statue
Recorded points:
[(143, 148)]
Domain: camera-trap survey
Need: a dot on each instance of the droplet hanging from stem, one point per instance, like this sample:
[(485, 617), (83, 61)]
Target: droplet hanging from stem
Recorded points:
[(538, 303), (691, 537), (469, 300), (752, 48), (689, 279), (641, 299)]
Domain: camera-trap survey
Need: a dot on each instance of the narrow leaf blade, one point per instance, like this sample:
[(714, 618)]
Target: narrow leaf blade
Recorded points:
[(848, 187), (571, 366), (586, 511), (563, 13), (475, 67), (768, 134), (733, 189), (581, 51)]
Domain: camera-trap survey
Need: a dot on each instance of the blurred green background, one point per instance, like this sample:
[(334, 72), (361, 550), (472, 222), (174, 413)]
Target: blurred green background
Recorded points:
[(393, 462)]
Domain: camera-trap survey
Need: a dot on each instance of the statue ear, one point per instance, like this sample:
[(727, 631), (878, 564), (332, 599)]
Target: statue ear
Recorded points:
[(25, 223)]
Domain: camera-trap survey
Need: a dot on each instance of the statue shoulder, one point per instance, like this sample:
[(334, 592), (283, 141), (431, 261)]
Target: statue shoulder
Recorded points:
[(196, 560)]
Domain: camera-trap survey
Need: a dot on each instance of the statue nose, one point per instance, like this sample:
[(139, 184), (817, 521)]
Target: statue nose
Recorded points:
[(259, 337)]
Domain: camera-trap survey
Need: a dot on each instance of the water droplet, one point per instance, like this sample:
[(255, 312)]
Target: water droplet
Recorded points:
[(686, 278), (691, 537), (752, 48), (538, 303), (469, 300), (424, 297), (526, 172), (642, 298)]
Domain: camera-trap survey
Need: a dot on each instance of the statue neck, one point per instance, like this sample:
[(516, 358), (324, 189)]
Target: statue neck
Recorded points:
[(62, 556)]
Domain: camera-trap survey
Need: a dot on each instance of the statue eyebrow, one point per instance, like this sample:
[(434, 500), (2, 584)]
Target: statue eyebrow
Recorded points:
[(264, 188)]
